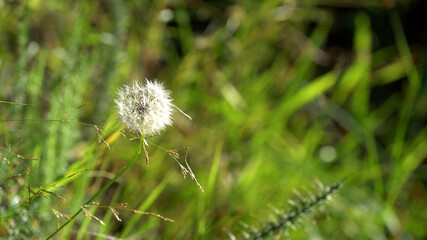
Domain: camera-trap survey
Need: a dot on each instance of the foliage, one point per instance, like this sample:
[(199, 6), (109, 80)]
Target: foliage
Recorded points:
[(280, 92)]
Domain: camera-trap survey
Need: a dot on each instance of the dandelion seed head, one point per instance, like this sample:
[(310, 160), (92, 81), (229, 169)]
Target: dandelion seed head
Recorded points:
[(145, 108)]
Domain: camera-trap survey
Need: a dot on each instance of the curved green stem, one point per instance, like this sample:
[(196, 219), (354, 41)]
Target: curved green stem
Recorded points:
[(141, 142)]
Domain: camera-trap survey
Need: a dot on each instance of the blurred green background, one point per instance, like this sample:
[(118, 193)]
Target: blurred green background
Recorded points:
[(281, 93)]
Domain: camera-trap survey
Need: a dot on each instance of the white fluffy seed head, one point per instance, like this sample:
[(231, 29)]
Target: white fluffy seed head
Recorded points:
[(145, 108)]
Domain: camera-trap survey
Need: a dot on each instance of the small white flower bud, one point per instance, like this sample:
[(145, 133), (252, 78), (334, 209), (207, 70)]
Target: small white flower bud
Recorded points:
[(145, 108)]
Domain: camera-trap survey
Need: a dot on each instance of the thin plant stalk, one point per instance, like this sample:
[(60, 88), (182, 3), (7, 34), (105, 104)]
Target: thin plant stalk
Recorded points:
[(138, 151), (14, 103)]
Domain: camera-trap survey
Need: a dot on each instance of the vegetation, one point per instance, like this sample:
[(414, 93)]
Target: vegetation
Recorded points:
[(281, 94)]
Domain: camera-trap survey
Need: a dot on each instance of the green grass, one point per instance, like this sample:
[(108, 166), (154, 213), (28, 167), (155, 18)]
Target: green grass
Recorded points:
[(268, 86)]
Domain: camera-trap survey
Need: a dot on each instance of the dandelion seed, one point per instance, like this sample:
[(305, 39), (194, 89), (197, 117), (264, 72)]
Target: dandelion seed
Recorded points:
[(145, 108)]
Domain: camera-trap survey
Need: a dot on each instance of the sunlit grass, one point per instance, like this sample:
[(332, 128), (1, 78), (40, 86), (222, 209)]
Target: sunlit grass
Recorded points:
[(276, 103)]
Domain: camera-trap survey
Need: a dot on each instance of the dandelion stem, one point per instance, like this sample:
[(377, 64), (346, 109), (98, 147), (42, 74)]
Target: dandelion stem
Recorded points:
[(138, 151)]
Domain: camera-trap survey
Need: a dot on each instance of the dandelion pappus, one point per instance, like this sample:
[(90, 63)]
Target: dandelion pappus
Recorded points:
[(141, 107)]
